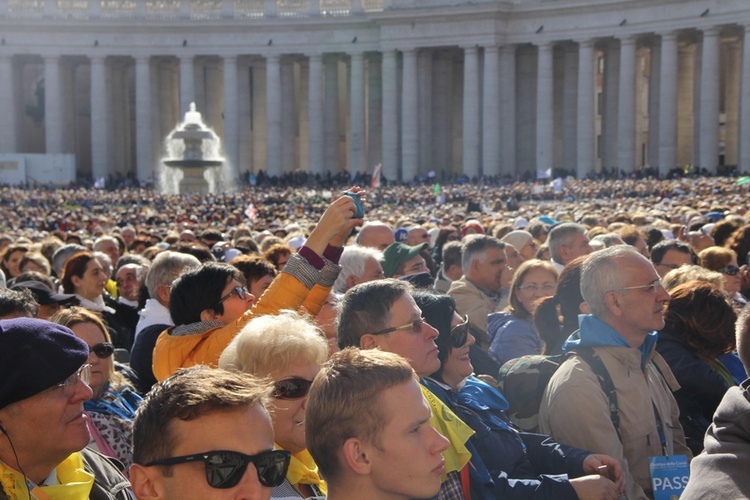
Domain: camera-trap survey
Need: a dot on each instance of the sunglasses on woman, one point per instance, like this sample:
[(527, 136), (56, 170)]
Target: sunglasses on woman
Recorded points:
[(224, 469), (460, 333), (103, 350), (291, 388), (730, 270), (240, 291)]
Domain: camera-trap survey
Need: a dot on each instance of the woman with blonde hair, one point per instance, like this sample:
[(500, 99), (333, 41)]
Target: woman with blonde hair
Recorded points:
[(289, 350), (512, 333), (112, 408)]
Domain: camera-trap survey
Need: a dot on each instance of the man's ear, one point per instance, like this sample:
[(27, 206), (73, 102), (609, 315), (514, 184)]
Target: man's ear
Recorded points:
[(563, 251), (356, 457), (351, 281), (163, 292), (612, 301), (368, 341), (145, 482), (584, 308)]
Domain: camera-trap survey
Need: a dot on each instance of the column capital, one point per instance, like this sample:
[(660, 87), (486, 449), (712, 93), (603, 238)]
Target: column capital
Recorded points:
[(492, 48), (508, 48), (628, 39), (409, 50), (712, 31), (584, 42), (356, 54), (142, 58), (545, 44), (668, 35), (314, 55), (230, 57), (97, 58)]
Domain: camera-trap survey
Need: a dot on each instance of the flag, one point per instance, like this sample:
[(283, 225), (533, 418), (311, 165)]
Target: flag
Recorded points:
[(250, 212), (743, 180), (99, 183), (543, 174), (437, 189), (375, 181)]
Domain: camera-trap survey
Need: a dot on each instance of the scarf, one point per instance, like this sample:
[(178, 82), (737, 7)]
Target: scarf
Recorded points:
[(449, 425), (302, 469), (153, 313), (97, 305), (74, 482)]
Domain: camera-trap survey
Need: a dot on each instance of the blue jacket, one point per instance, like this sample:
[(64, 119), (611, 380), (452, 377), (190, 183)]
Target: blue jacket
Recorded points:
[(522, 465), (512, 337)]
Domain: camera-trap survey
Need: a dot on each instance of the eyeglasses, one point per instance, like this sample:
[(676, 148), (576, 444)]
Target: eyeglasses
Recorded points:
[(651, 287), (70, 383), (533, 287), (224, 469), (102, 350), (291, 388), (240, 291), (460, 333), (669, 266), (730, 270), (415, 326)]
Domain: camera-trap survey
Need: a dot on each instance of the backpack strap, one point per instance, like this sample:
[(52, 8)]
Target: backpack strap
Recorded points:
[(608, 386)]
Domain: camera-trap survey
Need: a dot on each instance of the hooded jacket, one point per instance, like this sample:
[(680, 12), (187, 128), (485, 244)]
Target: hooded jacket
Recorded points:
[(575, 410)]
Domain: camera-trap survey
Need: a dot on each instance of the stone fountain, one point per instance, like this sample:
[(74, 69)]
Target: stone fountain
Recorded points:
[(195, 150)]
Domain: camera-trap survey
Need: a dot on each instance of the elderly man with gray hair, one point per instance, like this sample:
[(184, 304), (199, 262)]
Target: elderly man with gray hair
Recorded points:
[(637, 418), (478, 292), (566, 242), (154, 317), (358, 265)]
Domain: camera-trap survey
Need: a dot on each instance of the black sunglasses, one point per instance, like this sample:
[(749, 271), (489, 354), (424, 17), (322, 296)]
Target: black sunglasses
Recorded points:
[(241, 292), (460, 333), (730, 270), (102, 350), (224, 469), (291, 388)]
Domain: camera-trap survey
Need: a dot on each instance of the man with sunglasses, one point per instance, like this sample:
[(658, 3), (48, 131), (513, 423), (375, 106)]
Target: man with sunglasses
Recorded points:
[(383, 315), (626, 298), (43, 426), (205, 433)]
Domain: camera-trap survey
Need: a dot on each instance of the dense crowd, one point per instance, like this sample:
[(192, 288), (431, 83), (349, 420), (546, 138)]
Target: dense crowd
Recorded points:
[(565, 334)]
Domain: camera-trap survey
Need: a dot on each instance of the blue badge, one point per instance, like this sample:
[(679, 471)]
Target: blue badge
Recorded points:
[(669, 476)]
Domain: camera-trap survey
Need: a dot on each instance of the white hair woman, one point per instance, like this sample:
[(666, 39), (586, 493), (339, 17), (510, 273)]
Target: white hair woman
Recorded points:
[(289, 350)]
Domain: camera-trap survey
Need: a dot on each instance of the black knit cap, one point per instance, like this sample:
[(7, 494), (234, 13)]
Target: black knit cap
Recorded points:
[(35, 355)]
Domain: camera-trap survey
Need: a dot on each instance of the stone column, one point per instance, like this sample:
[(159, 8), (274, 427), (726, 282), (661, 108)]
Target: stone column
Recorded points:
[(626, 106), (99, 119), (610, 104), (8, 139), (570, 108), (471, 139), (744, 132), (544, 108), (187, 83), (409, 117), (390, 115), (507, 110), (356, 146), (709, 101), (331, 115), (585, 127), (288, 125), (424, 78), (653, 104), (144, 148), (53, 106), (374, 111), (732, 100), (668, 103), (315, 114), (442, 112), (273, 115), (231, 119), (491, 112)]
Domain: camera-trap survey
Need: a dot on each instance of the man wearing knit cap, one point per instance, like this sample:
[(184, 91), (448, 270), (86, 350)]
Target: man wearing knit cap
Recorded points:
[(43, 427), (522, 241)]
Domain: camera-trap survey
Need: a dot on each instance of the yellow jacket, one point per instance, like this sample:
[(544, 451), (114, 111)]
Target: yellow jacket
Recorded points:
[(202, 343)]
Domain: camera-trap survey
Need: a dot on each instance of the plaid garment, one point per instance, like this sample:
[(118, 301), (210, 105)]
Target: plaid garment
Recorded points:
[(451, 488)]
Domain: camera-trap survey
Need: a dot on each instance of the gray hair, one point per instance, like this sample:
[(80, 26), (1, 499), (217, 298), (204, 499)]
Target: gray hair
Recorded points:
[(602, 241), (62, 254), (474, 246), (600, 273), (105, 262), (103, 239), (562, 235), (352, 263), (166, 267)]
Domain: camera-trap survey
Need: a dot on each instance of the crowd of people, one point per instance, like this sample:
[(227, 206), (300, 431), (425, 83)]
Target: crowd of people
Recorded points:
[(384, 356)]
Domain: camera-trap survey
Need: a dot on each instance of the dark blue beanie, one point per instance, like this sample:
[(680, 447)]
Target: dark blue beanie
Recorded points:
[(35, 355)]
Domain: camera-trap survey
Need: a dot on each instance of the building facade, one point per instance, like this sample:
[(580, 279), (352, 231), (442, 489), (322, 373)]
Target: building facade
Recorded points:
[(460, 87)]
